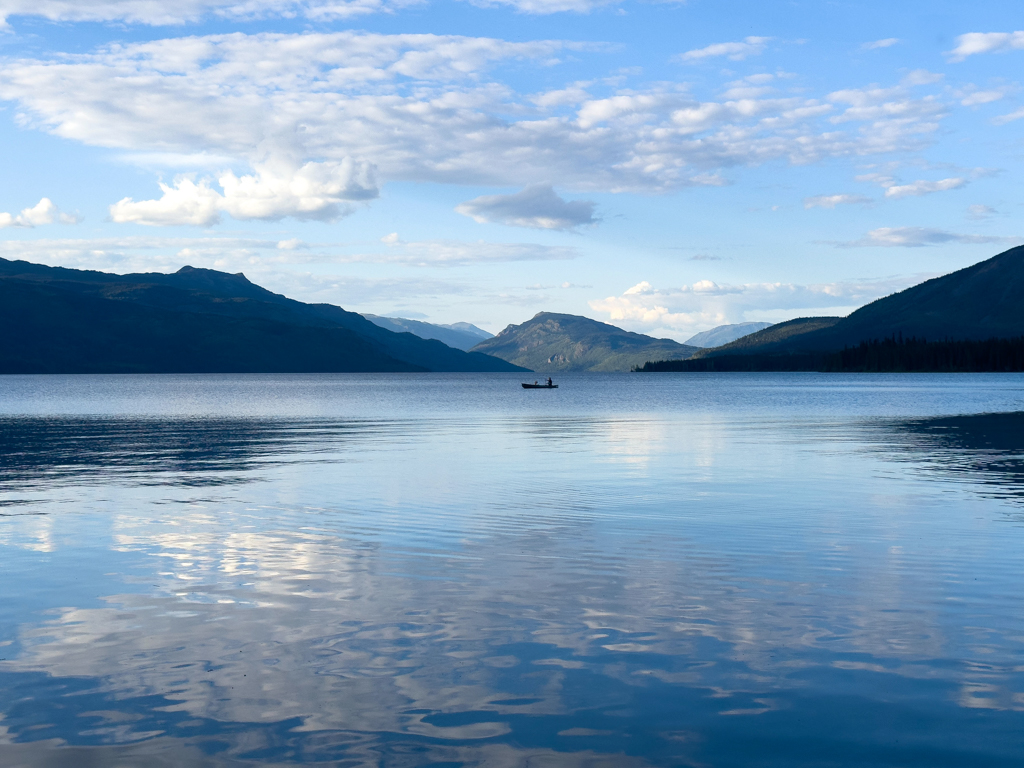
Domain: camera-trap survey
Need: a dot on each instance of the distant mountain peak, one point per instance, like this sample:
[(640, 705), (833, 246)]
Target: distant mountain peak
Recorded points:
[(552, 342), (724, 334)]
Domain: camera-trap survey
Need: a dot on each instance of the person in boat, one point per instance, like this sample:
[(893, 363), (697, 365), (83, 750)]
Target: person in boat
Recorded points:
[(535, 382), (549, 381)]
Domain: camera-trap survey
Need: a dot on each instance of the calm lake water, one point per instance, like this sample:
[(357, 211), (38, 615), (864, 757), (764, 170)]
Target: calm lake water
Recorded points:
[(409, 570)]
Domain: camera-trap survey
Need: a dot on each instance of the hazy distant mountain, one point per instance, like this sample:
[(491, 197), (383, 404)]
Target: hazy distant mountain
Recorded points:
[(723, 334), (550, 343), (61, 320), (462, 336), (982, 301), (469, 328)]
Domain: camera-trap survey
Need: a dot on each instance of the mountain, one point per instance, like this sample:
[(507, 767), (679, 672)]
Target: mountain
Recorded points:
[(462, 336), (551, 343), (723, 334), (779, 337), (60, 320), (469, 328), (979, 302)]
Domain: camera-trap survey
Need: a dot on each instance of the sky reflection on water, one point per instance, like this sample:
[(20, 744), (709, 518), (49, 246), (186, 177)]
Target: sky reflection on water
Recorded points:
[(710, 571)]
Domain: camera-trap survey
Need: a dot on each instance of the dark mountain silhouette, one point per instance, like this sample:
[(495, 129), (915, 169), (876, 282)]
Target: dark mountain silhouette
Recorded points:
[(550, 343), (462, 336), (979, 302), (62, 320)]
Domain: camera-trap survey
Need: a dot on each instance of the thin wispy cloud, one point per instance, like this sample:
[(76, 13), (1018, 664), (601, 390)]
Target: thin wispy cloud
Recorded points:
[(831, 201), (734, 51), (919, 237), (895, 190), (887, 42)]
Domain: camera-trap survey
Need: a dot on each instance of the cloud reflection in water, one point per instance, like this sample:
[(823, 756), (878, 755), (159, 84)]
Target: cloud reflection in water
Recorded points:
[(525, 591)]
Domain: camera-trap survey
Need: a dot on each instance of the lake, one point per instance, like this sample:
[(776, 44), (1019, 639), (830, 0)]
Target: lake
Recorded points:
[(418, 569)]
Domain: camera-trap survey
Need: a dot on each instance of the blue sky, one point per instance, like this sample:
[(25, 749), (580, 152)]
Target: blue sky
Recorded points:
[(667, 167)]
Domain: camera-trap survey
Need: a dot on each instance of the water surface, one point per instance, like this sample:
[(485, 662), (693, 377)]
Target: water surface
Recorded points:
[(406, 570)]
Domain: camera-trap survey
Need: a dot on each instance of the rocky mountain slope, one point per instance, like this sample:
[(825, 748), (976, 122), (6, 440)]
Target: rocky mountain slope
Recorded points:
[(551, 343)]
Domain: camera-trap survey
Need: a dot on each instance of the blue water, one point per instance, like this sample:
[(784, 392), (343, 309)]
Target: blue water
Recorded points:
[(406, 570)]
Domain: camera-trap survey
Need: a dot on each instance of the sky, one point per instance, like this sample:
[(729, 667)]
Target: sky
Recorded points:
[(664, 166)]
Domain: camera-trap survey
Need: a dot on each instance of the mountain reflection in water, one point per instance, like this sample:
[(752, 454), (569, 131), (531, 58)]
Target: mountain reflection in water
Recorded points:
[(986, 448), (208, 451), (588, 588)]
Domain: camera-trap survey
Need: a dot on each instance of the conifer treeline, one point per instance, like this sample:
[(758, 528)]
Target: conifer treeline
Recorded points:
[(890, 355)]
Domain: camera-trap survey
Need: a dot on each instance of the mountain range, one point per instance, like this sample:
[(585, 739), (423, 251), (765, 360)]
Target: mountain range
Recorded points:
[(60, 320), (462, 336), (554, 343)]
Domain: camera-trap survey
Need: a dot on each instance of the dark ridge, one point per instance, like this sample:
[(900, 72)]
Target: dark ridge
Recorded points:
[(979, 302), (892, 355), (63, 320)]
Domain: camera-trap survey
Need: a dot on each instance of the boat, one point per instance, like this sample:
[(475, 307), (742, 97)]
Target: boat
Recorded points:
[(540, 386)]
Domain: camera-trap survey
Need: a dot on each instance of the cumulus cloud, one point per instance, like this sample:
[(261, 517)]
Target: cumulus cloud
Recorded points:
[(736, 51), (919, 237), (831, 201), (537, 206), (974, 43), (424, 108), (160, 12), (43, 212), (314, 191), (887, 42), (705, 303)]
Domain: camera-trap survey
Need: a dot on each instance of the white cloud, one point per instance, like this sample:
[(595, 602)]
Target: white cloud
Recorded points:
[(920, 187), (458, 253), (986, 42), (421, 108), (887, 42), (705, 304), (978, 212), (1004, 119), (313, 191), (922, 77), (918, 237), (736, 51), (981, 97), (894, 190), (233, 253), (547, 6), (537, 206), (43, 212), (161, 12), (831, 201), (895, 107)]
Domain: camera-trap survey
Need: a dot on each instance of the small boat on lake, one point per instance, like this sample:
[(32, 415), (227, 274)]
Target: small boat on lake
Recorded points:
[(535, 385)]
